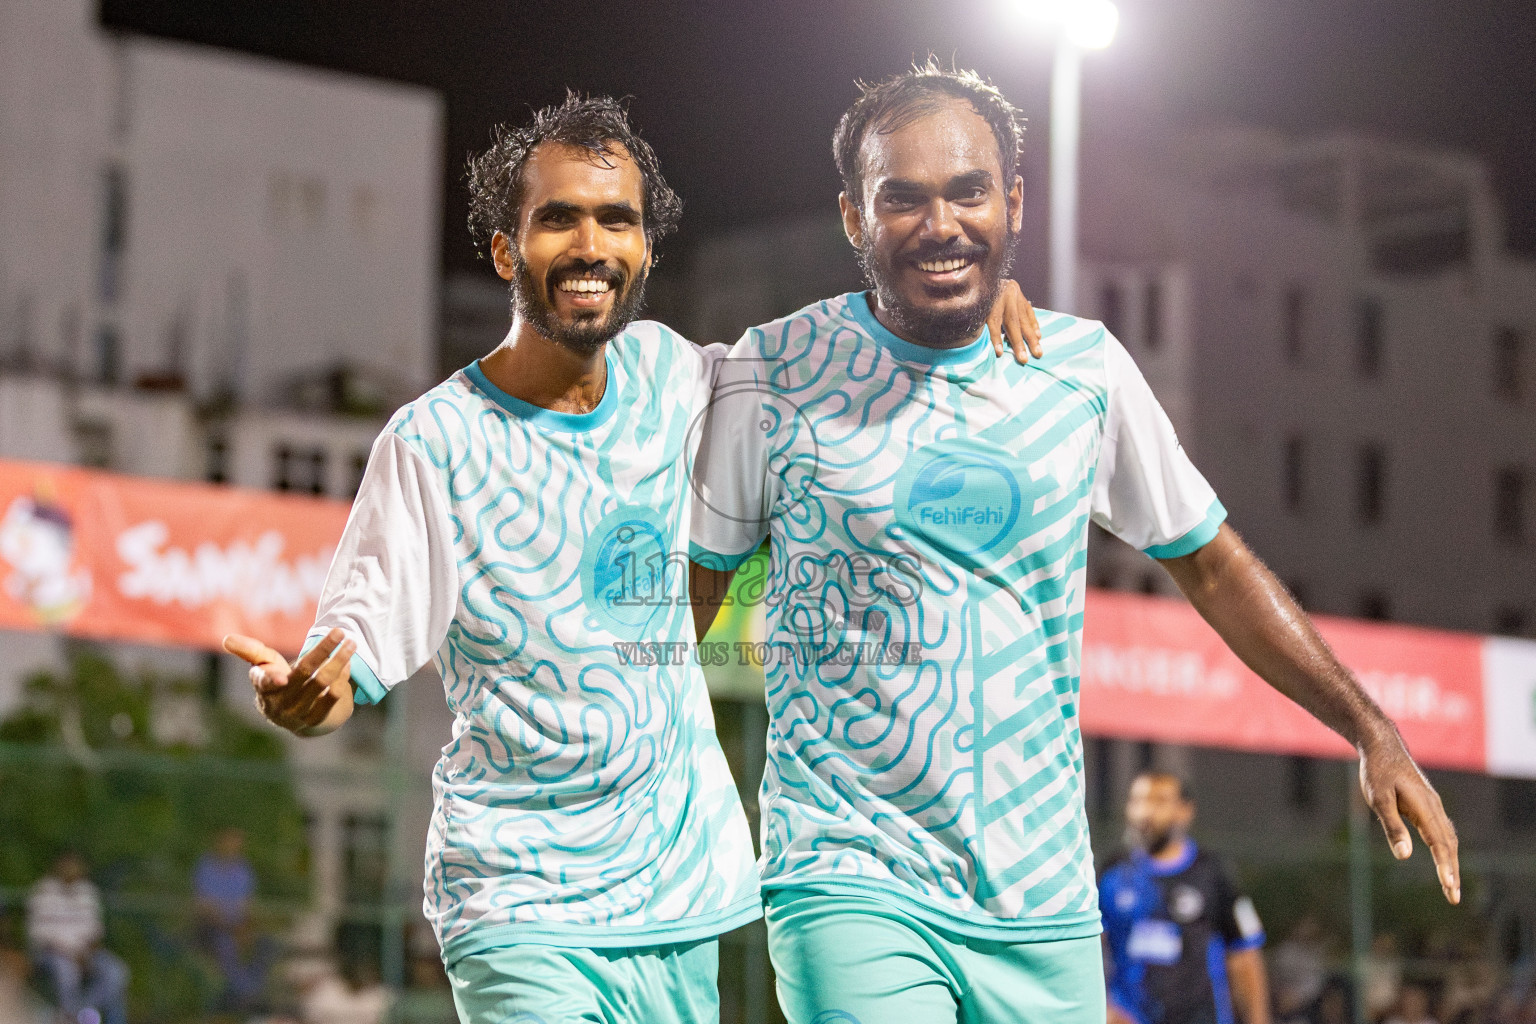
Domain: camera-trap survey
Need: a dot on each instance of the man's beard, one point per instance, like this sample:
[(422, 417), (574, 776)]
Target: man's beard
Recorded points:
[(946, 328), (589, 334), (1150, 843)]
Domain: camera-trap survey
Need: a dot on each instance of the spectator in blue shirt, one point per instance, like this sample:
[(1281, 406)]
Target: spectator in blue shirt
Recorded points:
[(224, 887)]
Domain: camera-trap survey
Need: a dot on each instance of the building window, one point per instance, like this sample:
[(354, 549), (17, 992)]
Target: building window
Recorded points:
[(1295, 473), (1100, 775), (364, 845), (298, 469), (94, 438), (1375, 605), (1368, 337), (213, 683), (359, 467), (1293, 317), (1509, 487), (1508, 344), (1509, 621), (1371, 484), (1152, 323), (1146, 756), (1517, 804), (1302, 779), (218, 461), (108, 355), (114, 232), (1112, 305)]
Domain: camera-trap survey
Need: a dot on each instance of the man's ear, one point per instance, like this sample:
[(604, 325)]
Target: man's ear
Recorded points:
[(1016, 204), (501, 256), (853, 224)]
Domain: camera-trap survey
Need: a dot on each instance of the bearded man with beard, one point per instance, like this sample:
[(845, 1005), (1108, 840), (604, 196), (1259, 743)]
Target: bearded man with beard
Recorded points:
[(514, 527), (925, 851)]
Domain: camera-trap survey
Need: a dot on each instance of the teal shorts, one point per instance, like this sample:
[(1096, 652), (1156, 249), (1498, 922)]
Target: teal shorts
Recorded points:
[(531, 984), (860, 960)]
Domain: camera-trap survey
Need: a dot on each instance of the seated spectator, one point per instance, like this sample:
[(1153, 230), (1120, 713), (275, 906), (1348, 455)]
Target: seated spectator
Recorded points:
[(1383, 976), (224, 886), (1298, 969), (1412, 1006), (1334, 1005), (64, 934), (353, 996), (1471, 982)]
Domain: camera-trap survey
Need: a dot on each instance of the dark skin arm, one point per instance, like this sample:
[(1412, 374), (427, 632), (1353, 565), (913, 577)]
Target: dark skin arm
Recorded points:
[(708, 588), (1261, 623), (1250, 986)]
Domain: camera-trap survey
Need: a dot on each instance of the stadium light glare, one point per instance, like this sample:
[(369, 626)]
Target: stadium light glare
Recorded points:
[(1078, 25), (1089, 24)]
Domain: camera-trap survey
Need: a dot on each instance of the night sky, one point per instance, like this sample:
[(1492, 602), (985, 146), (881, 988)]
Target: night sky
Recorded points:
[(740, 99)]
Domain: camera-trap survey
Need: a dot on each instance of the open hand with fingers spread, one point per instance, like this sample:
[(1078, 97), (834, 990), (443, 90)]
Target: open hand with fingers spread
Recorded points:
[(310, 698), (1013, 319)]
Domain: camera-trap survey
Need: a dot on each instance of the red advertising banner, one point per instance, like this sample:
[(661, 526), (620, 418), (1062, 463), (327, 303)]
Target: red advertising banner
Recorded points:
[(1153, 669), (153, 561), (124, 558)]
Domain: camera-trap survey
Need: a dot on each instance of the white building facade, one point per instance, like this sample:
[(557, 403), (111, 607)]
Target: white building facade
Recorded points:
[(176, 215), (224, 269), (1348, 351)]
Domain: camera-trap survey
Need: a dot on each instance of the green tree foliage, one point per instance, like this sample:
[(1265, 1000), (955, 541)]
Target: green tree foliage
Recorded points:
[(89, 764)]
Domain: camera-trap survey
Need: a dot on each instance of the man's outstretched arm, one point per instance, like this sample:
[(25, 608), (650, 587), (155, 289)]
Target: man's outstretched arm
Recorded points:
[(1247, 606)]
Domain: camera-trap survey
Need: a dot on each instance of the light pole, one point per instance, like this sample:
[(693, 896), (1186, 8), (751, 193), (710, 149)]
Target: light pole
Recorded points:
[(1079, 25)]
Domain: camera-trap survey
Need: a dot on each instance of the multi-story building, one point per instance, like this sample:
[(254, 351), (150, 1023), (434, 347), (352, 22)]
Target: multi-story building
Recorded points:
[(1350, 353), (219, 268)]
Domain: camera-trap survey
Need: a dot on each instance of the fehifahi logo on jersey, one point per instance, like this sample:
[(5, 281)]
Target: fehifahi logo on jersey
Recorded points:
[(966, 497), (628, 573)]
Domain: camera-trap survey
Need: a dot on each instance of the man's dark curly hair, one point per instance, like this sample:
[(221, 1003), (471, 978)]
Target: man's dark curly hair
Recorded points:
[(596, 123), (893, 104)]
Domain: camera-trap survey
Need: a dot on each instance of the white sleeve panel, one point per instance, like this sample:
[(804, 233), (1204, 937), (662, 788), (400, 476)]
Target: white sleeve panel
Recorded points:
[(732, 498), (394, 584), (1145, 490)]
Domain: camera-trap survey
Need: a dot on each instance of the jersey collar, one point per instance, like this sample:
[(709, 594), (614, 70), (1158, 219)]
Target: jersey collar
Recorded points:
[(549, 419), (1173, 867), (864, 314)]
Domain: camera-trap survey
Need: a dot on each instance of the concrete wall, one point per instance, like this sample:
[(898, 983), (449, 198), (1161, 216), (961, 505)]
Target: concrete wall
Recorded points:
[(275, 220)]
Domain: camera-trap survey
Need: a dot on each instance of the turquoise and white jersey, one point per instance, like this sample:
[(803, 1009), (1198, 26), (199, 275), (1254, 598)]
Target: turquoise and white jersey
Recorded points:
[(584, 799), (927, 514)]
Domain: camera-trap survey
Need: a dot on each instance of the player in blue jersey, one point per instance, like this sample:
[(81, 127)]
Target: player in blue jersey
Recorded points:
[(520, 527), (925, 849), (1183, 942)]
